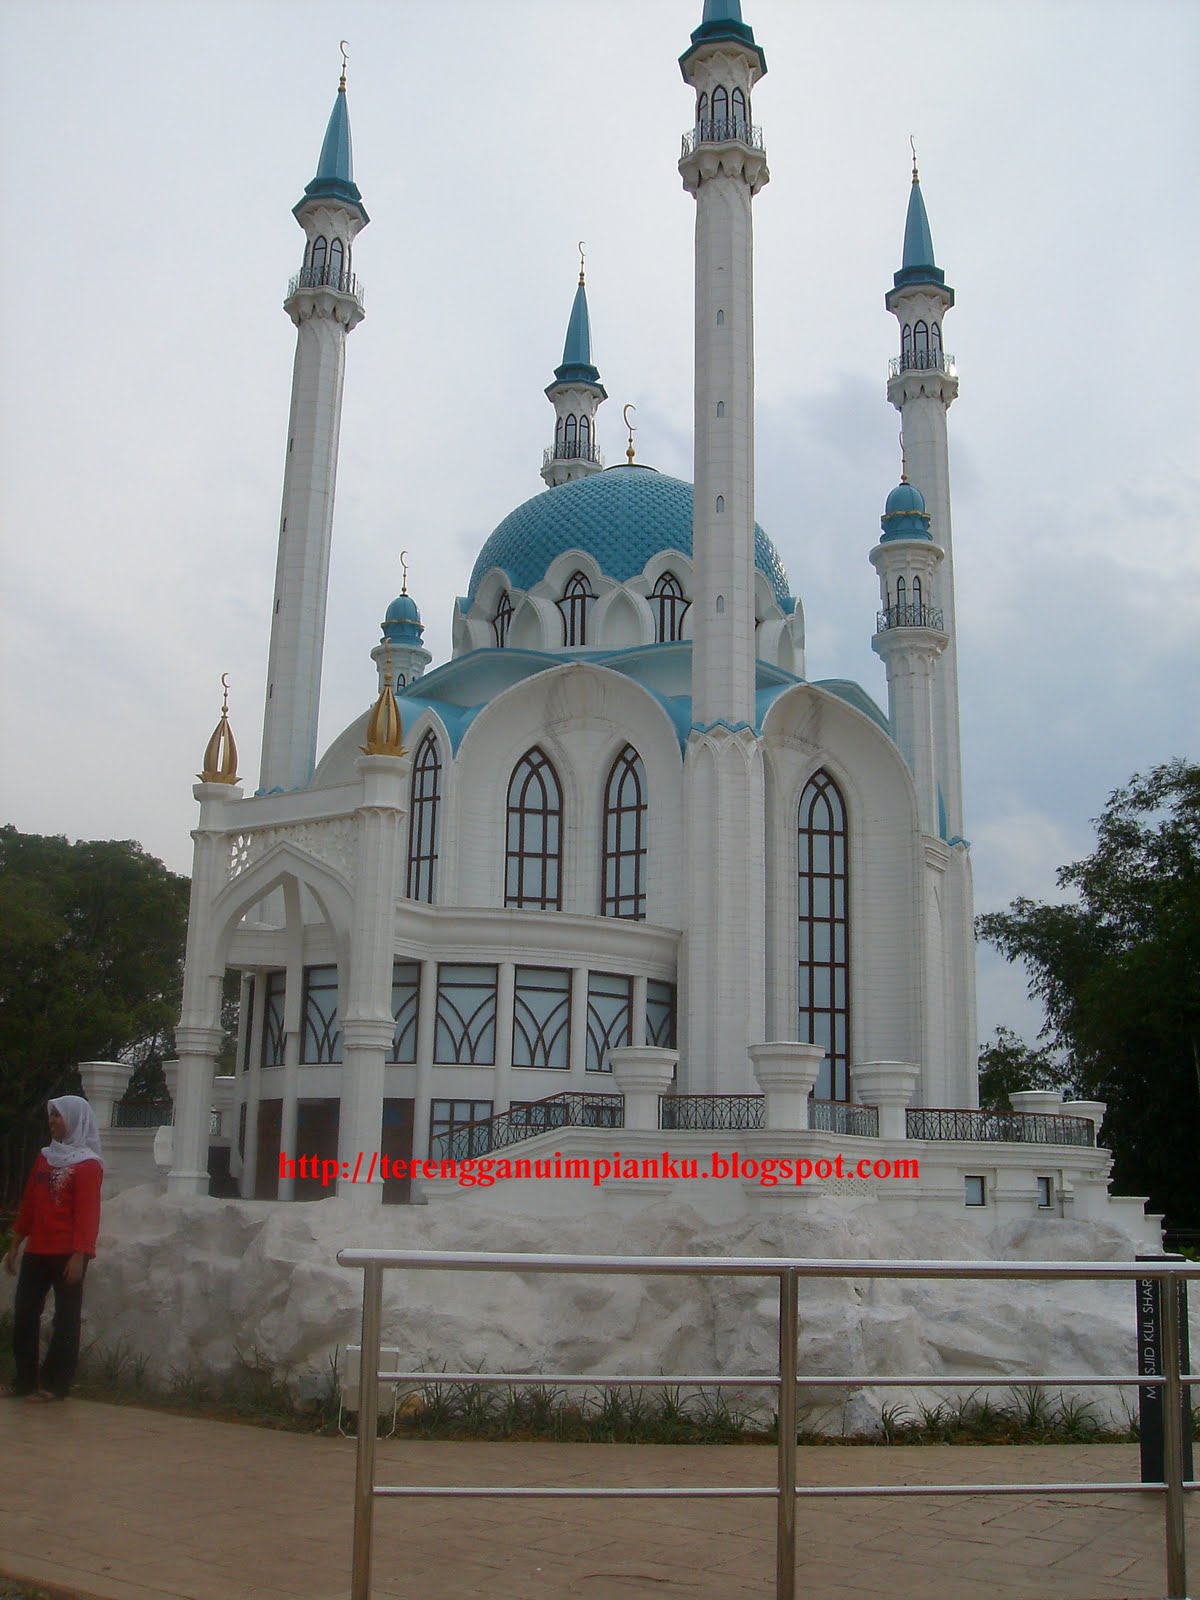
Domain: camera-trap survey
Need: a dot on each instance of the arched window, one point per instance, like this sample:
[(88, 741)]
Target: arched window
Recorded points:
[(576, 599), (906, 344), (533, 860), (935, 340), (720, 408), (670, 607), (500, 622), (738, 107), (585, 438), (558, 434), (720, 502), (916, 600), (720, 319), (317, 259), (336, 257), (720, 112), (425, 801), (569, 434), (623, 863), (701, 113), (921, 343), (901, 598), (824, 931)]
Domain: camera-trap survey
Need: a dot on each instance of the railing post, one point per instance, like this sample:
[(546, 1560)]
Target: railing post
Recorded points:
[(368, 1427), (785, 1527), (1168, 1301)]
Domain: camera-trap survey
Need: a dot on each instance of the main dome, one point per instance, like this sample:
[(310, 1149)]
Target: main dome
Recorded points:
[(621, 518)]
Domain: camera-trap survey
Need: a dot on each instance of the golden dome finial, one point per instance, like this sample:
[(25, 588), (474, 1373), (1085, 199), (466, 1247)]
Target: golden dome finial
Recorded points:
[(385, 732), (220, 754), (345, 49), (903, 459), (632, 430), (913, 144), (581, 249)]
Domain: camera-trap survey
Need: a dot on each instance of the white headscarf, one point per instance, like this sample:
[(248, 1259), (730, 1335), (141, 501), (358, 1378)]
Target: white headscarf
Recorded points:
[(82, 1140)]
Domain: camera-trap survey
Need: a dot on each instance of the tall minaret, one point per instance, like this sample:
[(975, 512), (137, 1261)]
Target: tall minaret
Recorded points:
[(576, 395), (324, 300), (922, 386), (723, 166), (722, 1009)]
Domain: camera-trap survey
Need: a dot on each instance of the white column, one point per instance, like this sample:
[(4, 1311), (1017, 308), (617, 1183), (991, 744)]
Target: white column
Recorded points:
[(787, 1073), (104, 1082), (368, 1025), (506, 979), (890, 1086), (642, 1073), (423, 1092)]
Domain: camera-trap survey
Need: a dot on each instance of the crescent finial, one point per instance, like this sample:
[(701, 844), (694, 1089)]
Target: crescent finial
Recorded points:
[(582, 246), (913, 143), (404, 568), (344, 47), (625, 410), (225, 688)]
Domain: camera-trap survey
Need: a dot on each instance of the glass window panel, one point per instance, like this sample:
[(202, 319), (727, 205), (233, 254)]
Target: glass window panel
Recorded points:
[(820, 852), (542, 1017), (821, 897), (824, 1087), (406, 990), (465, 1024), (660, 1014), (821, 987), (610, 1017), (821, 938)]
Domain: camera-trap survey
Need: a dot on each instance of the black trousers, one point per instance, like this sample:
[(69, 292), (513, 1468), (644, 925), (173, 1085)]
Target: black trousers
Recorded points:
[(40, 1274)]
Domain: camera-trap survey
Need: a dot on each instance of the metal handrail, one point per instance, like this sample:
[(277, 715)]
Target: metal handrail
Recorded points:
[(921, 361), (722, 130), (326, 278), (1000, 1127), (573, 451), (909, 617), (678, 1113), (785, 1492), (525, 1120)]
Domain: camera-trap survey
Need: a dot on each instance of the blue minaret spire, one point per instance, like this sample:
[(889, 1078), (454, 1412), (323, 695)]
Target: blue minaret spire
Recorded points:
[(918, 264), (334, 178), (576, 394)]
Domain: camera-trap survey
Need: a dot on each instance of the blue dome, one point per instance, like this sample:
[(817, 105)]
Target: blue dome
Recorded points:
[(904, 515), (904, 497), (402, 624), (621, 518)]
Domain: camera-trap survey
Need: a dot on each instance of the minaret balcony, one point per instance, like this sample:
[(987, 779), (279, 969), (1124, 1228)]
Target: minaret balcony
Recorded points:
[(324, 278), (572, 452), (922, 361), (722, 130), (909, 617)]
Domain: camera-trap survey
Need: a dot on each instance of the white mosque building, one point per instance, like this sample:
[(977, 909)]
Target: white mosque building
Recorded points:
[(620, 865)]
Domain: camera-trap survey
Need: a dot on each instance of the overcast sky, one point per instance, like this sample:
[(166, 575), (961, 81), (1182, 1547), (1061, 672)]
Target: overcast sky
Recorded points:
[(151, 156)]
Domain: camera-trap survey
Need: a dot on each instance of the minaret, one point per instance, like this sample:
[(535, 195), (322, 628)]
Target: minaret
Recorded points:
[(910, 635), (400, 655), (576, 395), (922, 385), (723, 166), (324, 300)]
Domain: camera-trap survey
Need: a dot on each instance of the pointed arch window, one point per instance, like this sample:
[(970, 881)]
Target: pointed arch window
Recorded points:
[(425, 802), (935, 340), (720, 112), (737, 105), (337, 255), (670, 607), (533, 859), (502, 619), (921, 343), (906, 345), (570, 432), (576, 601), (317, 259), (623, 866), (824, 931), (901, 594), (916, 602), (585, 438), (702, 112)]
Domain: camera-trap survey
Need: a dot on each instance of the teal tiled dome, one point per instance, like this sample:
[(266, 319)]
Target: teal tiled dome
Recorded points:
[(621, 518), (402, 624), (905, 516)]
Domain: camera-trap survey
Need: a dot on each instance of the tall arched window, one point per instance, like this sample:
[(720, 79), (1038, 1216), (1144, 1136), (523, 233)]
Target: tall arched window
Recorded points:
[(935, 339), (623, 865), (533, 860), (500, 622), (701, 113), (569, 434), (317, 259), (576, 598), (720, 112), (906, 344), (585, 438), (669, 605), (337, 255), (737, 105), (916, 600), (901, 596), (921, 343), (424, 804), (824, 931)]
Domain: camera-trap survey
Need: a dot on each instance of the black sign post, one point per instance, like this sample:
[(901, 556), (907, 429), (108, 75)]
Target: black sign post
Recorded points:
[(1150, 1365)]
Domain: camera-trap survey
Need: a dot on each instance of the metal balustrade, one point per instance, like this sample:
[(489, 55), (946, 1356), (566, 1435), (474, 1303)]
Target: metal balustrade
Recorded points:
[(706, 1113), (722, 130), (922, 361), (326, 278), (999, 1127), (526, 1121), (142, 1114), (572, 452), (840, 1116), (785, 1491), (909, 617)]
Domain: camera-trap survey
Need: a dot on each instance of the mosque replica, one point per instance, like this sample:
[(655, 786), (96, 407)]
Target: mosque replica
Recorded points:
[(620, 886)]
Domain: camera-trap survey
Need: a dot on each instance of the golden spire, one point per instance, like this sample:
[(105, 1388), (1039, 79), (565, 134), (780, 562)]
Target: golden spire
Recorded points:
[(903, 459), (913, 143), (632, 430), (345, 49), (220, 755), (385, 732), (581, 247)]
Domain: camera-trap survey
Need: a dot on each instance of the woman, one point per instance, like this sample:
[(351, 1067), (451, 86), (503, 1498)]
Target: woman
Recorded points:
[(59, 1219)]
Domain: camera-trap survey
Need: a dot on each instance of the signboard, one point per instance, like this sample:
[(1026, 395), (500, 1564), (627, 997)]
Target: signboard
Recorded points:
[(1150, 1364)]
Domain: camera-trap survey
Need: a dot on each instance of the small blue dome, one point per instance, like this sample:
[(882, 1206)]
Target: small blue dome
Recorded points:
[(402, 624), (621, 518), (904, 515)]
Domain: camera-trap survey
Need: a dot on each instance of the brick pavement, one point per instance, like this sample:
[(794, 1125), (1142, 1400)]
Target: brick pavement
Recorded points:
[(118, 1503)]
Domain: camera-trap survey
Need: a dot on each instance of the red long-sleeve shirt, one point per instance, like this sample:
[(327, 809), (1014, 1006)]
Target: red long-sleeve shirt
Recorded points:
[(60, 1209)]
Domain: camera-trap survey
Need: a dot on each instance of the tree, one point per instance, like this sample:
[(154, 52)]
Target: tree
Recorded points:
[(1008, 1064), (91, 966), (1118, 970)]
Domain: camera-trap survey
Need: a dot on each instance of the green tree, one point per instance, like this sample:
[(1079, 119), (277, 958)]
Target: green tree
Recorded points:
[(1007, 1064), (91, 963), (1118, 970)]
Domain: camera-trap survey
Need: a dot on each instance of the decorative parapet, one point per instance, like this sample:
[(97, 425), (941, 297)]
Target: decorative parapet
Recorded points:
[(1000, 1127), (333, 841)]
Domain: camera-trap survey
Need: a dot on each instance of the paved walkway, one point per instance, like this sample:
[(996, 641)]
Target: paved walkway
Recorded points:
[(114, 1503)]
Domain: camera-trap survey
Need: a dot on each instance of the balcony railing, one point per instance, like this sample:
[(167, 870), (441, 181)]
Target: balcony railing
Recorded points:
[(572, 452), (909, 617), (710, 1113), (838, 1116), (722, 130), (142, 1114), (526, 1121), (921, 361), (1000, 1127), (325, 278)]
